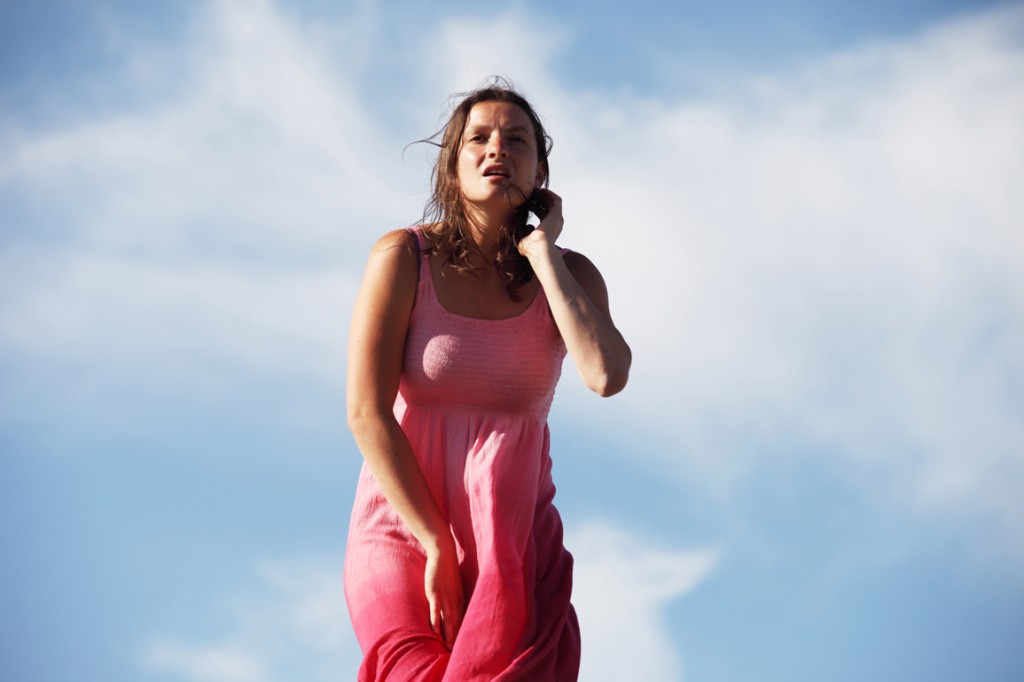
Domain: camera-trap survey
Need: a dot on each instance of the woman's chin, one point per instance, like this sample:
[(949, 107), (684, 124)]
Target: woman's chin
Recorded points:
[(498, 205)]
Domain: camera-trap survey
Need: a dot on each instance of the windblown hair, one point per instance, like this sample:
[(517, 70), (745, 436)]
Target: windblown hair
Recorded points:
[(445, 212)]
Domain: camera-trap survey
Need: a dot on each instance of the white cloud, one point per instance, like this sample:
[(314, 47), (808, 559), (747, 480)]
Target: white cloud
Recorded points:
[(294, 626), (622, 588), (518, 45), (223, 226), (828, 259), (262, 149), (204, 664)]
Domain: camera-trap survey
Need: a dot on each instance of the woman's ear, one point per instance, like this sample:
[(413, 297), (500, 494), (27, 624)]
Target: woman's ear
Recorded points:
[(541, 175)]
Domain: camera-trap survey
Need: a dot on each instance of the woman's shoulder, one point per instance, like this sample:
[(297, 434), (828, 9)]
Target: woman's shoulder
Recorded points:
[(396, 238), (395, 257), (415, 236), (579, 265), (401, 245), (588, 276)]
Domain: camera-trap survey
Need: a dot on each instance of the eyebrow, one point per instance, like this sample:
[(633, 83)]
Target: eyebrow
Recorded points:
[(511, 129)]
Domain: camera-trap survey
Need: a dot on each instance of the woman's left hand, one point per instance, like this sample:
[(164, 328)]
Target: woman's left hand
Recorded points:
[(547, 233), (578, 301)]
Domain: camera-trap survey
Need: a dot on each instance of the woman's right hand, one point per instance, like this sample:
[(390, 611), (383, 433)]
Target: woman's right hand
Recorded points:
[(380, 325), (443, 584)]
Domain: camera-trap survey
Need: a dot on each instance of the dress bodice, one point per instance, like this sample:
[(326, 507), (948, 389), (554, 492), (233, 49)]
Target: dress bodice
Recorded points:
[(454, 362)]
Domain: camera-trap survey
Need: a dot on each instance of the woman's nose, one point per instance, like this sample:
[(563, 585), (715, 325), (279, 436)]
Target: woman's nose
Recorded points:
[(496, 147)]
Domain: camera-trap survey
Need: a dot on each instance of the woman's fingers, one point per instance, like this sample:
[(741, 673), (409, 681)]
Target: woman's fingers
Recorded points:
[(449, 633), (443, 586), (451, 616), (550, 227), (446, 620), (435, 614)]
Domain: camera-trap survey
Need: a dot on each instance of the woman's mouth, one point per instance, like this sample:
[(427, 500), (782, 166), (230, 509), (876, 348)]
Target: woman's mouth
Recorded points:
[(496, 171)]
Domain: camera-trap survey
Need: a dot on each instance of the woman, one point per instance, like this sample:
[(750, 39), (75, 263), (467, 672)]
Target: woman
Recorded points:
[(455, 568)]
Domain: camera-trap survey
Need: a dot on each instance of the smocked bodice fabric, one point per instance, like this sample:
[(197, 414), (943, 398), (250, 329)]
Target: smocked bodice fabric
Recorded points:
[(459, 363), (473, 400)]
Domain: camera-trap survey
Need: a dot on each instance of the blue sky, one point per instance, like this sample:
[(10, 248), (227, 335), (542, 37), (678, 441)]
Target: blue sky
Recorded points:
[(808, 217)]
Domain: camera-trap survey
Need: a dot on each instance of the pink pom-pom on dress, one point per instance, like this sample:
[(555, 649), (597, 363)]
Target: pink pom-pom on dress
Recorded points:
[(473, 400)]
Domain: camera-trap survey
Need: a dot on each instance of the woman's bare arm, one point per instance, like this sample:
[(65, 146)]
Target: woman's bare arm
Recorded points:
[(578, 299), (380, 323)]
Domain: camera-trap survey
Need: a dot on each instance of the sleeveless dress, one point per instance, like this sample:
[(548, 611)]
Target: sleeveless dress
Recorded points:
[(473, 400)]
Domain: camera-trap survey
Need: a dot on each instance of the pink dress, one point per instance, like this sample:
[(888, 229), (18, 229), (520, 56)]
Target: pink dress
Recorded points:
[(473, 400)]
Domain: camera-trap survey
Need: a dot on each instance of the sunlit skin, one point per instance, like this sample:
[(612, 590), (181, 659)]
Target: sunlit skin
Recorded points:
[(497, 170), (497, 164), (497, 167)]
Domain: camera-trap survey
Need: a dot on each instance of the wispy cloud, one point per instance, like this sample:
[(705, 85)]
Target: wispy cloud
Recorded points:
[(822, 261), (292, 626), (826, 261), (212, 230), (204, 663), (622, 587)]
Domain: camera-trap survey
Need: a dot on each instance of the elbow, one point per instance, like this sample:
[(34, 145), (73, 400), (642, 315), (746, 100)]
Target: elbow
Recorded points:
[(356, 420), (609, 382), (362, 418)]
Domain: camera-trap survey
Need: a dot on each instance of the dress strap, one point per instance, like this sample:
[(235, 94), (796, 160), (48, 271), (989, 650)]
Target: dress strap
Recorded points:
[(417, 245)]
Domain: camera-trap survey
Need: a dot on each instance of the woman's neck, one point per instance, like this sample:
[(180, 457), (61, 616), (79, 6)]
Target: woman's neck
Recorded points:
[(485, 229)]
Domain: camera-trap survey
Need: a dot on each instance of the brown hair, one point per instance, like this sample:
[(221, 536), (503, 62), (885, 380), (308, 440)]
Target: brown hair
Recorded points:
[(446, 209)]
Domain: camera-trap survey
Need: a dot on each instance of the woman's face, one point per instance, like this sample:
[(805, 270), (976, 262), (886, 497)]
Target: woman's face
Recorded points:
[(497, 164)]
